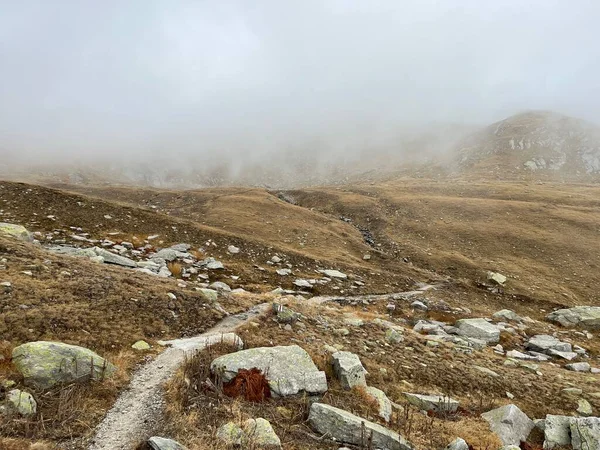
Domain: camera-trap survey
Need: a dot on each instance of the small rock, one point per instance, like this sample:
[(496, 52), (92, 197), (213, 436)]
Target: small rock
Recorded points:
[(141, 345), (437, 403), (348, 369), (418, 305), (578, 367), (160, 443), (232, 435), (497, 278), (21, 402), (233, 249), (219, 286), (458, 444), (260, 434), (584, 408)]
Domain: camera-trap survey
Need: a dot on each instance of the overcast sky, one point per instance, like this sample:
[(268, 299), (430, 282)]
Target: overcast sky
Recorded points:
[(123, 76)]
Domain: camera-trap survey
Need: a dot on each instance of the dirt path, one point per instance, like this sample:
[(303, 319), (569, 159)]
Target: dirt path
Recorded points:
[(136, 412)]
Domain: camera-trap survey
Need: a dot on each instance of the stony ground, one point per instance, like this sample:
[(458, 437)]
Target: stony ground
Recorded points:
[(389, 264)]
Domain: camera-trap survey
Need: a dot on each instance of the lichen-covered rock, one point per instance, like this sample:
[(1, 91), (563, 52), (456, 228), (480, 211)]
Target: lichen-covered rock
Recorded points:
[(393, 336), (383, 402), (260, 434), (348, 369), (21, 402), (289, 369), (15, 231), (232, 435), (141, 345), (507, 315), (587, 316), (509, 423), (348, 428), (585, 433), (437, 403), (45, 364), (478, 329), (161, 443), (283, 314), (557, 431)]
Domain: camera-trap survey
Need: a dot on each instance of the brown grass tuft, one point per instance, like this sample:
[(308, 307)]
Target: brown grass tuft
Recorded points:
[(251, 385)]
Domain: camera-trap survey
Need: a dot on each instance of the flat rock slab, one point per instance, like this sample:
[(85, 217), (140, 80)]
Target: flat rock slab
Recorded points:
[(112, 258), (289, 369), (510, 424), (437, 403), (478, 329), (586, 316), (544, 342), (347, 428)]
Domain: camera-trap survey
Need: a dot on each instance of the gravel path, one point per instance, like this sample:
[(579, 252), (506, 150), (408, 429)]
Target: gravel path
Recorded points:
[(136, 413)]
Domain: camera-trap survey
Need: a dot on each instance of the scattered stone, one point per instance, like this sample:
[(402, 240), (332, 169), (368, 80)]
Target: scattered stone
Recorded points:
[(283, 314), (346, 427), (544, 342), (367, 257), (112, 258), (215, 265), (334, 274), (233, 249), (486, 371), (458, 444), (232, 435), (260, 434), (284, 272), (171, 296), (276, 259), (393, 336), (478, 329), (21, 402), (45, 364), (587, 316), (578, 367), (507, 315), (289, 369), (383, 402), (160, 443), (302, 283), (584, 408), (437, 403), (141, 345), (509, 423), (572, 391), (348, 369), (210, 294), (418, 305), (497, 278), (219, 286)]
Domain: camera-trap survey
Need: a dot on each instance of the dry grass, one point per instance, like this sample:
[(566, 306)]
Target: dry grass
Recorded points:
[(175, 268)]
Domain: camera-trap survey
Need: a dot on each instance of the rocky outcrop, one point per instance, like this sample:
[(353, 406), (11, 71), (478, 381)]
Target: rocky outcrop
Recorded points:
[(289, 369), (15, 231), (586, 316), (45, 364), (347, 428)]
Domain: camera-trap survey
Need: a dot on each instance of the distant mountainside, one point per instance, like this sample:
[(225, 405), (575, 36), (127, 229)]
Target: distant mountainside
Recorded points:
[(540, 141)]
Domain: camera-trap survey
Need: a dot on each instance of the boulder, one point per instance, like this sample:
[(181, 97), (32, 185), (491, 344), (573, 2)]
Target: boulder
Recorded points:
[(261, 434), (509, 423), (557, 431), (289, 369), (497, 278), (587, 316), (507, 315), (478, 329), (585, 433), (112, 258), (348, 369), (578, 367), (45, 364), (437, 403), (16, 231), (544, 342), (383, 402), (232, 435), (345, 427), (21, 402), (161, 443), (458, 444)]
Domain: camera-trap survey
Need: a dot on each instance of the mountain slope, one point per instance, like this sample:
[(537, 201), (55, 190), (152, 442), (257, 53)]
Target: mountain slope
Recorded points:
[(538, 142)]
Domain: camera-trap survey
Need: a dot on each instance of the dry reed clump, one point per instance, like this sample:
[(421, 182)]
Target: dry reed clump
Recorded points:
[(251, 385), (175, 268)]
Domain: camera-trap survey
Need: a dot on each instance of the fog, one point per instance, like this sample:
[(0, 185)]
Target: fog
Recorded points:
[(212, 83)]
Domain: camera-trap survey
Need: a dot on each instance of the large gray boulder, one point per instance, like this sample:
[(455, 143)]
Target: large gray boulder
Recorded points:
[(348, 369), (16, 231), (161, 443), (437, 403), (112, 258), (585, 433), (478, 329), (289, 369), (510, 424), (557, 431), (587, 316), (544, 342), (45, 364), (347, 428)]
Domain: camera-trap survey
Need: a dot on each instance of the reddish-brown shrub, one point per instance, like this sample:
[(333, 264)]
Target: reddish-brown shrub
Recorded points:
[(251, 384)]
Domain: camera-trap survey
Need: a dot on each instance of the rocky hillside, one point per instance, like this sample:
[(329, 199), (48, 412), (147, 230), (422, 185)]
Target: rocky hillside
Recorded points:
[(540, 142)]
